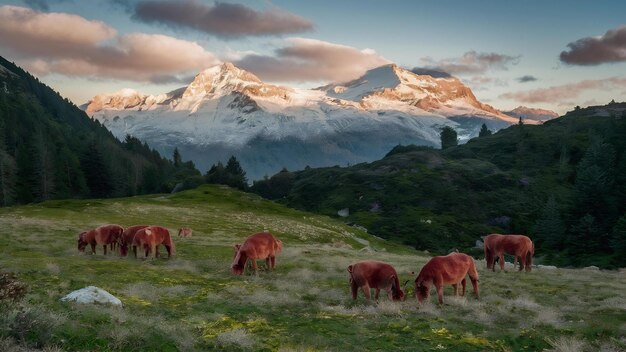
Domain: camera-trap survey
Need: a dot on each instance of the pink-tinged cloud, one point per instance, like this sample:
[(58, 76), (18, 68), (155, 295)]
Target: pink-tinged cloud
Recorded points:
[(611, 47), (224, 20), (471, 62), (45, 44), (565, 92), (302, 60), (35, 33)]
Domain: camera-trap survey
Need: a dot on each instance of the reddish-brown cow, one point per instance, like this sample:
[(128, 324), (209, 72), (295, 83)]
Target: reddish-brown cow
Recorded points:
[(445, 270), (126, 239), (185, 232), (377, 275), (520, 246), (149, 238), (103, 235), (258, 246)]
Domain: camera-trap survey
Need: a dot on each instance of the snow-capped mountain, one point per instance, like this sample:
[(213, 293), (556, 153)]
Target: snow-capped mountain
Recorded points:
[(532, 114), (229, 111)]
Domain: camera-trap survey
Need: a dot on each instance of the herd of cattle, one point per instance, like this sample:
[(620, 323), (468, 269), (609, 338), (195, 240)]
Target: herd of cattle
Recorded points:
[(451, 269)]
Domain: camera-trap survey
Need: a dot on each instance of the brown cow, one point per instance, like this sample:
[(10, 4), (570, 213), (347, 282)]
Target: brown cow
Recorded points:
[(185, 232), (261, 245), (103, 235), (377, 275), (444, 270), (149, 238), (126, 239), (520, 246)]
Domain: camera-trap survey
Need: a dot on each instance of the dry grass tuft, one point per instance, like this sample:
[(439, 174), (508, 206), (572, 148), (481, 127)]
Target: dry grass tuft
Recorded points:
[(236, 338), (567, 344)]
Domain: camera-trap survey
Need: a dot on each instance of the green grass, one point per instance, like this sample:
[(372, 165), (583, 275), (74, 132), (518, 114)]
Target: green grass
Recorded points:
[(192, 302)]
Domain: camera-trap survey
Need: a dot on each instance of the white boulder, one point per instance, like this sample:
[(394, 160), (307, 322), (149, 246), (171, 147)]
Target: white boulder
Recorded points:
[(92, 294)]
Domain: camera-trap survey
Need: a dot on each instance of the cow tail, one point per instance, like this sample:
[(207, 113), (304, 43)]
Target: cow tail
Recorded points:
[(529, 255), (172, 246), (473, 273)]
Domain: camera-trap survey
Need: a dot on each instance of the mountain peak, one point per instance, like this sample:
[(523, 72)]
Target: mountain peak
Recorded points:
[(534, 114), (222, 78)]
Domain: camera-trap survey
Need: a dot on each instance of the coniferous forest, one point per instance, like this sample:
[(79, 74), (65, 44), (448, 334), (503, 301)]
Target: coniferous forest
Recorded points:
[(50, 149)]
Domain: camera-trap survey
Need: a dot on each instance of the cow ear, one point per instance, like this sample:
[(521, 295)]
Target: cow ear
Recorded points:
[(237, 246), (350, 269)]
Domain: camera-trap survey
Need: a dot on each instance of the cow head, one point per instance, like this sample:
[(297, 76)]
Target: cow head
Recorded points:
[(238, 267), (82, 243), (421, 290), (397, 294)]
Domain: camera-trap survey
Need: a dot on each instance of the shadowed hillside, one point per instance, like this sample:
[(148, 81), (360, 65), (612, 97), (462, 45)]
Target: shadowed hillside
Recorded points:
[(560, 182), (50, 149)]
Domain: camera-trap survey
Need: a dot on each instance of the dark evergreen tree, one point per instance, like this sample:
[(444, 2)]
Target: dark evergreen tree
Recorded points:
[(177, 158), (96, 171), (236, 175), (448, 137), (618, 241), (549, 228), (484, 131)]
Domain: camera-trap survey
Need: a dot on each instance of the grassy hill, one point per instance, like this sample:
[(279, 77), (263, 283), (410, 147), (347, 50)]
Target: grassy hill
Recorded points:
[(192, 302), (561, 182)]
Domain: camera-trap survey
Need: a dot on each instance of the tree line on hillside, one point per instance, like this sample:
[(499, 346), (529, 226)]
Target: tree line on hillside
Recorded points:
[(50, 149), (561, 182)]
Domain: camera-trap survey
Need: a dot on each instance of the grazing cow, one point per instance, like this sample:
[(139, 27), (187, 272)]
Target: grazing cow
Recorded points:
[(445, 270), (520, 246), (261, 245), (185, 232), (126, 239), (377, 275), (149, 238), (103, 235)]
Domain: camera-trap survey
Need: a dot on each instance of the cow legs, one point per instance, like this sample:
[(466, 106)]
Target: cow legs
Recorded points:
[(355, 289), (522, 262), (273, 262), (377, 293), (256, 269), (456, 289), (501, 261), (93, 248), (268, 263), (366, 291), (105, 249), (463, 284), (439, 292)]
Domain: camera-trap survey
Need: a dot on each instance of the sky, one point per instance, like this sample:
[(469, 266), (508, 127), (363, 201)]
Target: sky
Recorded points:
[(545, 54)]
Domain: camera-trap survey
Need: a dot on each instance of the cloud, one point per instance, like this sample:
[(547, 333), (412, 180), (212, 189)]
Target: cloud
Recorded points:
[(74, 46), (471, 63), (527, 78), (565, 92), (611, 47), (224, 20), (43, 5), (430, 72), (303, 60)]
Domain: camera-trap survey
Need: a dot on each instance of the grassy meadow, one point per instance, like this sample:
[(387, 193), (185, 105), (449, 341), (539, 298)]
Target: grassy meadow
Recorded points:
[(192, 302)]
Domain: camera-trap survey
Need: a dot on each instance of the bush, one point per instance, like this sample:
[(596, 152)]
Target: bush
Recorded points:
[(10, 288)]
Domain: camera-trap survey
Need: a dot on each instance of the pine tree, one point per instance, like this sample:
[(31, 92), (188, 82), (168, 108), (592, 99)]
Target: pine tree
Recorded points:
[(448, 137), (484, 131), (550, 227), (96, 171), (618, 240), (177, 158), (236, 175)]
